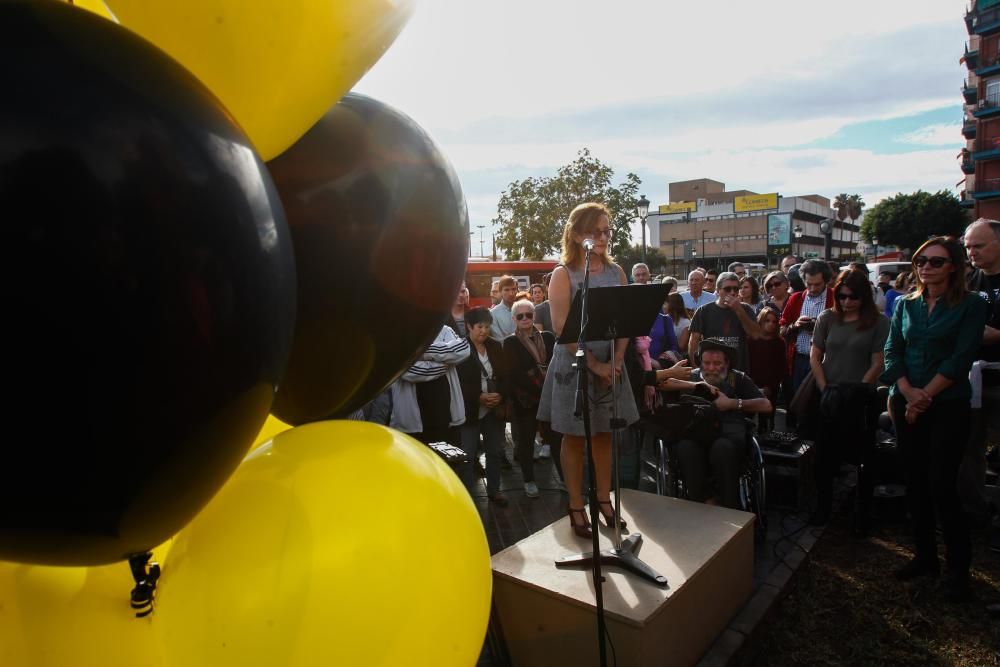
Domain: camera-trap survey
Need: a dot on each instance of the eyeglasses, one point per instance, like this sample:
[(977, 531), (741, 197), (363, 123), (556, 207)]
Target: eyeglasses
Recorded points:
[(848, 296), (731, 288), (936, 262), (602, 232), (520, 316)]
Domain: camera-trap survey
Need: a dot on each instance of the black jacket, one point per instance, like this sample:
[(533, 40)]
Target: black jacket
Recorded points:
[(470, 374), (524, 378)]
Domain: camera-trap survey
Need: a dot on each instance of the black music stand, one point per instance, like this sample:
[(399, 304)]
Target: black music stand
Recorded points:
[(622, 311)]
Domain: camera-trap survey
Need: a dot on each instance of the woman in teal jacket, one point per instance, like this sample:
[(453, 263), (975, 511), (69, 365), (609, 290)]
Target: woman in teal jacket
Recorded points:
[(933, 340)]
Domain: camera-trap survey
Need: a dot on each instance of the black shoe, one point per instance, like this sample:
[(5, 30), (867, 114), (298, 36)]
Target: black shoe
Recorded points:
[(917, 568), (499, 499), (955, 587)]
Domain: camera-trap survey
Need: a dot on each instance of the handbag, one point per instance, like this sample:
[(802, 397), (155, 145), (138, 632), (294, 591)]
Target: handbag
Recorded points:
[(503, 410), (690, 417), (804, 395)]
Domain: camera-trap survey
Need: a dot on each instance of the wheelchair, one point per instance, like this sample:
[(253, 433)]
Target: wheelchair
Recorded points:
[(669, 478)]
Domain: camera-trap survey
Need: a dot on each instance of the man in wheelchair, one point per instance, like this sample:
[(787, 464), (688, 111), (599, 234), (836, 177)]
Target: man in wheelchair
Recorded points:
[(718, 453)]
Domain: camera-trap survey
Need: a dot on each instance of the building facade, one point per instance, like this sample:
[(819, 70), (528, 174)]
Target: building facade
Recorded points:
[(980, 159), (706, 225)]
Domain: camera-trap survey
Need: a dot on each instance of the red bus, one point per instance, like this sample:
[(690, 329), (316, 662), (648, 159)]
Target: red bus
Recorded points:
[(480, 274)]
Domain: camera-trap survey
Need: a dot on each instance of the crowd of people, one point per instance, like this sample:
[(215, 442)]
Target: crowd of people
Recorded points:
[(823, 341)]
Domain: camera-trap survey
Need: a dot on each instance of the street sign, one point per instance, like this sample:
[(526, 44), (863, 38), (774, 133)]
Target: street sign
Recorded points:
[(812, 254)]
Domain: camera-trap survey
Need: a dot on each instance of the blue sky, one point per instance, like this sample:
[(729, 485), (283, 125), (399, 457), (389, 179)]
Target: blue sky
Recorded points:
[(766, 96)]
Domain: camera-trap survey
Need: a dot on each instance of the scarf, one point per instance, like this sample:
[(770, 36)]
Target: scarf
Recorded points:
[(536, 347)]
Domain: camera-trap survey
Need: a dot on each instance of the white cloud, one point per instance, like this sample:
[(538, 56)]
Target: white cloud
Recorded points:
[(945, 134)]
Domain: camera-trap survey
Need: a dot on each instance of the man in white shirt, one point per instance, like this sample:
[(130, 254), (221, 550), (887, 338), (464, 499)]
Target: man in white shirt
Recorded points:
[(694, 296), (503, 319)]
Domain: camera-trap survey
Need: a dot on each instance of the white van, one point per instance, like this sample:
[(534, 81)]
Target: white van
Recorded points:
[(894, 268)]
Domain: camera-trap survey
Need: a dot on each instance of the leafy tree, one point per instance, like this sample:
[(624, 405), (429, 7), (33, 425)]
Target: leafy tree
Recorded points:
[(632, 255), (532, 212), (907, 220)]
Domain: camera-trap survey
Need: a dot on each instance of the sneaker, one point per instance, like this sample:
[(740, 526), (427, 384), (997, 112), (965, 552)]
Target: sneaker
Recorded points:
[(546, 452), (917, 568), (531, 489)]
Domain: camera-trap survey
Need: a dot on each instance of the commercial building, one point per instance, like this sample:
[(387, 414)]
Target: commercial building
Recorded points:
[(707, 225), (980, 159)]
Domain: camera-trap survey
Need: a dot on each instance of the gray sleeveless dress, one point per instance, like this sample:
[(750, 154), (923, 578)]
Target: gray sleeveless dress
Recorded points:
[(559, 391)]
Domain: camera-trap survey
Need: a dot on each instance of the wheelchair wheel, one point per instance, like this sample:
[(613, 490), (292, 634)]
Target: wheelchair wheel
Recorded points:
[(753, 487)]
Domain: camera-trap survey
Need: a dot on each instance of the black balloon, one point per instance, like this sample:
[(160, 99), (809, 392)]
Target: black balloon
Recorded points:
[(149, 286), (380, 230)]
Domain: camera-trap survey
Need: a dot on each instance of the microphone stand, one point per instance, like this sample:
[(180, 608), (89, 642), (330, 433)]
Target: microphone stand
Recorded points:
[(583, 409)]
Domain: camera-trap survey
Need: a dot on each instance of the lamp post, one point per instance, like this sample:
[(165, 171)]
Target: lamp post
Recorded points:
[(694, 256), (642, 210), (797, 230), (703, 232), (826, 226), (481, 227), (875, 241), (673, 262)]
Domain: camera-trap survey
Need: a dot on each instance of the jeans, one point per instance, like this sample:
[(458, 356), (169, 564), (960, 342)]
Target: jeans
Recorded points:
[(491, 430)]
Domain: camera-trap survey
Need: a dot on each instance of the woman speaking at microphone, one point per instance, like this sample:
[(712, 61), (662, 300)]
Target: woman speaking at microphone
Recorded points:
[(591, 222)]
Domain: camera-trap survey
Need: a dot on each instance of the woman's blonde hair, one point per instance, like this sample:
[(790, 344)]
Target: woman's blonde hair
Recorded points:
[(582, 221)]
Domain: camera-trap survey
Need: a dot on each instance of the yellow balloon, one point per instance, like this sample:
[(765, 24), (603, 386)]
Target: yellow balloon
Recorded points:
[(56, 616), (272, 427), (277, 65), (337, 543), (96, 6)]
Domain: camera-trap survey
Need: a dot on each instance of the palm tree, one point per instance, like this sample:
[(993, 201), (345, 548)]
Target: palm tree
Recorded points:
[(854, 206), (842, 203)]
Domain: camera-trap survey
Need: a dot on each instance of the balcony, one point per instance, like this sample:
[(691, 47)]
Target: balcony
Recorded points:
[(969, 92), (968, 166), (966, 199), (983, 21), (986, 108), (971, 58), (988, 65), (969, 129), (989, 189), (987, 148)]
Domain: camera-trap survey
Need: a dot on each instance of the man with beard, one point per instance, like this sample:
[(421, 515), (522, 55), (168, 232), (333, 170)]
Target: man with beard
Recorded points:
[(720, 457)]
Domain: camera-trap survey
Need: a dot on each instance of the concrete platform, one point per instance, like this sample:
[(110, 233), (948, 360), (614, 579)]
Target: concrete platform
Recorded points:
[(548, 614)]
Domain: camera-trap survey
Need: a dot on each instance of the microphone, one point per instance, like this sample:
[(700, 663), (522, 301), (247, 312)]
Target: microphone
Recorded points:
[(588, 244)]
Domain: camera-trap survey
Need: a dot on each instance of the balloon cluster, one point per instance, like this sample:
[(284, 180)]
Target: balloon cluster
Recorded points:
[(169, 289)]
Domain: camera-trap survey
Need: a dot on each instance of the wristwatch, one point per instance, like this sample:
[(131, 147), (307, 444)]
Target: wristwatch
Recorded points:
[(739, 405)]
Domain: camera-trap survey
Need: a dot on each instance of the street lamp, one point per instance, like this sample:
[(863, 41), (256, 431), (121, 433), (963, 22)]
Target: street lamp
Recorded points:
[(703, 232), (797, 230), (826, 226), (694, 255), (673, 263), (481, 227), (642, 210), (875, 241)]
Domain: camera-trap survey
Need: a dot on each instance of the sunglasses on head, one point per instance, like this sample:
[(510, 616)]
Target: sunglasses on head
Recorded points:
[(530, 315), (936, 262), (848, 296)]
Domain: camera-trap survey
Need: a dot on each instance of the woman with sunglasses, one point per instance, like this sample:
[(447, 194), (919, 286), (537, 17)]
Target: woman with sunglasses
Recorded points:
[(527, 353), (846, 359), (933, 340), (604, 361), (776, 291)]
